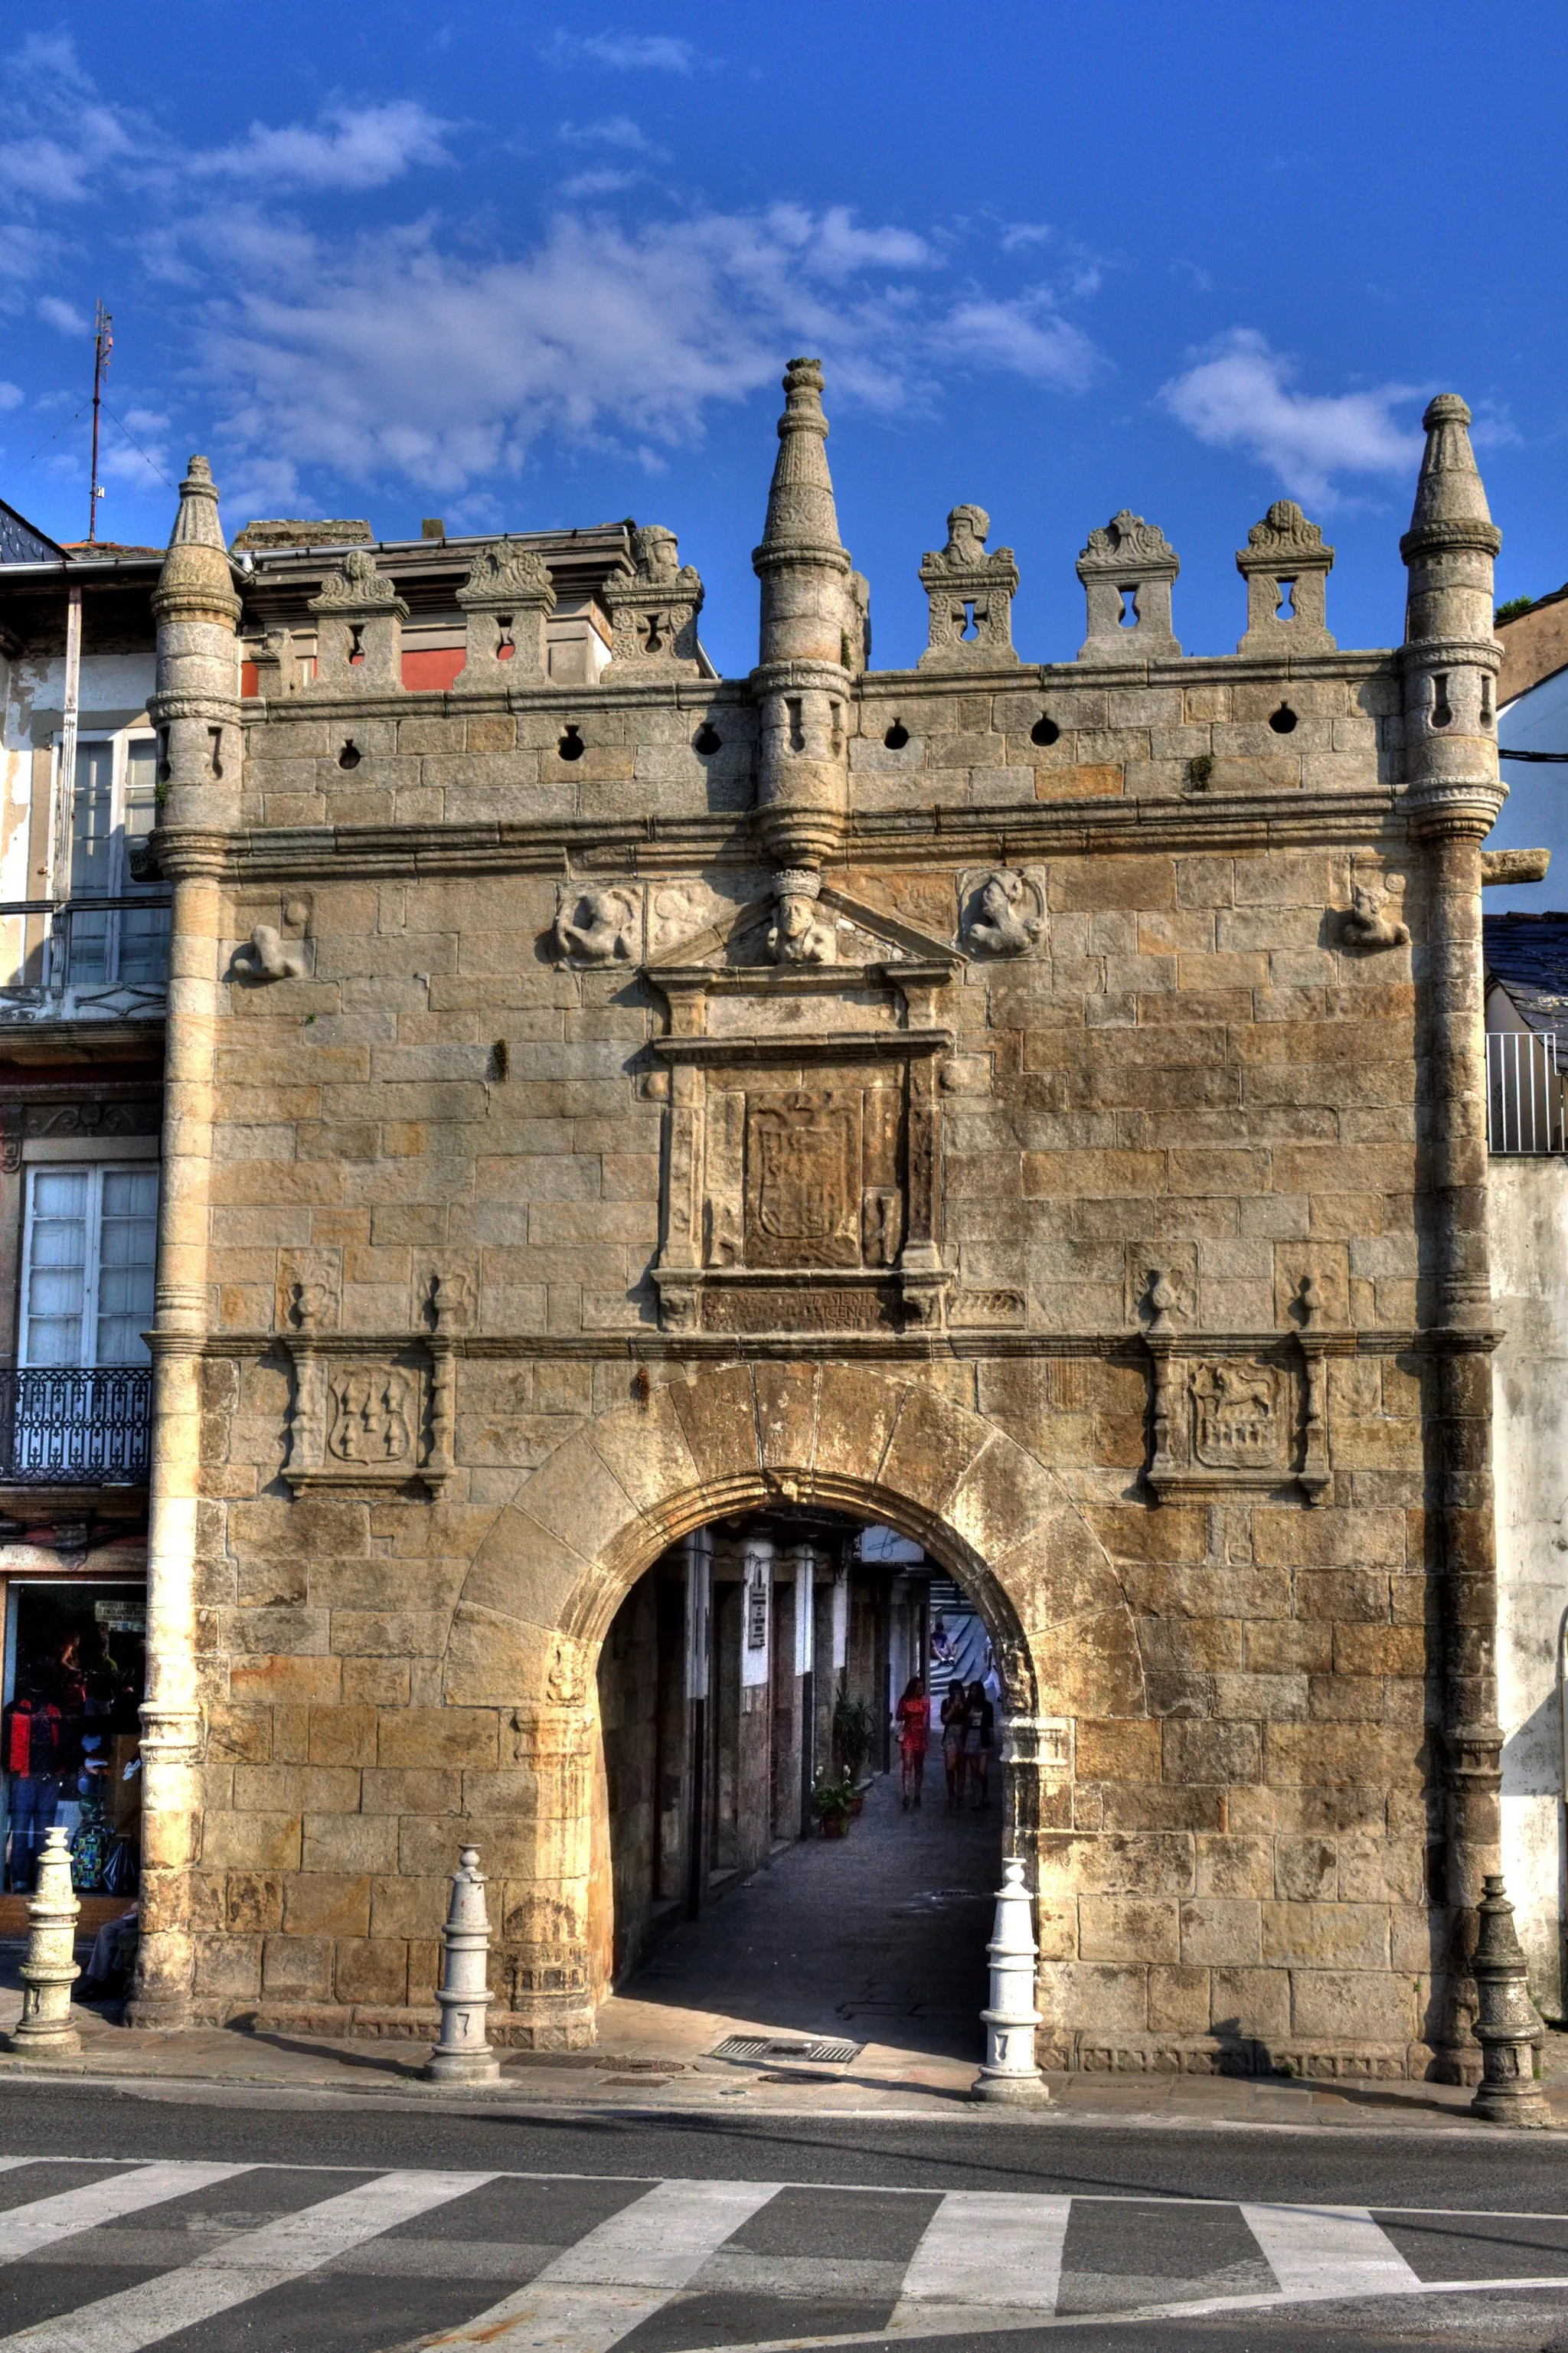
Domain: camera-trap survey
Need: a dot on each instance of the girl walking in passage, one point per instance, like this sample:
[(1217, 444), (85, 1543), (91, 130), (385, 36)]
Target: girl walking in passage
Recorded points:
[(912, 1716)]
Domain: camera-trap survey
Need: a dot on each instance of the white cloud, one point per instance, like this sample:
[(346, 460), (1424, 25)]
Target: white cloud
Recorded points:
[(69, 135), (1026, 337), (352, 148), (63, 315), (1238, 395), (622, 52), (392, 356), (11, 395), (613, 131), (1017, 235), (599, 183)]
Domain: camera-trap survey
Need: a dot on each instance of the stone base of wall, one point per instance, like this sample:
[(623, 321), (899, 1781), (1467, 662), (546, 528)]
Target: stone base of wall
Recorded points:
[(1316, 2062), (367, 2022)]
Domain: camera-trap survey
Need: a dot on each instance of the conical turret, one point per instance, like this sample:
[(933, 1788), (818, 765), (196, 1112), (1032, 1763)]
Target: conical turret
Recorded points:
[(1451, 656), (1452, 539), (812, 628), (801, 513), (196, 705)]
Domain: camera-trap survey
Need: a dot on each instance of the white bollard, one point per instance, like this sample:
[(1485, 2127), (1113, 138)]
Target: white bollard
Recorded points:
[(1010, 2073), (463, 2055), (49, 1970)]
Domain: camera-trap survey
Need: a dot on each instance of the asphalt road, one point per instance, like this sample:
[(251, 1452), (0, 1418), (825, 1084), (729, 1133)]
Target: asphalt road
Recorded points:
[(257, 2222)]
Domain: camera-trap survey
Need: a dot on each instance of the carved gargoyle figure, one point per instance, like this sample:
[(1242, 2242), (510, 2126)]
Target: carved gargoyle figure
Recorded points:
[(1000, 922), (268, 956), (597, 927), (798, 934), (1366, 922)]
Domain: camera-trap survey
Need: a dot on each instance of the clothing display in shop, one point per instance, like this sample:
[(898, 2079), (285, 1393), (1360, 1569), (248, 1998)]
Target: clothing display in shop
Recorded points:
[(69, 1743)]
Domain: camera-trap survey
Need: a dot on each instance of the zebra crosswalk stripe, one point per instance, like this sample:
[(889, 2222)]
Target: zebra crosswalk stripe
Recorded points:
[(985, 2252), (247, 2266), (1329, 2251), (27, 2229), (614, 2278)]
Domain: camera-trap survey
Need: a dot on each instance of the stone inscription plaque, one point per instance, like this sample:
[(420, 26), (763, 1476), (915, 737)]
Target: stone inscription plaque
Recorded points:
[(768, 1307)]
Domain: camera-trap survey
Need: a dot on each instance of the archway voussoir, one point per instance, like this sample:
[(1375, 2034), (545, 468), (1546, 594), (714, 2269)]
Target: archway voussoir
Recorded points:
[(933, 1445), (1003, 1489), (642, 1446), (786, 1416), (718, 1414), (855, 1411), (573, 1494), (493, 1660), (524, 1572)]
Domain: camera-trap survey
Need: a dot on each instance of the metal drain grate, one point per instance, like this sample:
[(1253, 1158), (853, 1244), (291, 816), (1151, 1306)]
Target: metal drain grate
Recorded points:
[(765, 2049)]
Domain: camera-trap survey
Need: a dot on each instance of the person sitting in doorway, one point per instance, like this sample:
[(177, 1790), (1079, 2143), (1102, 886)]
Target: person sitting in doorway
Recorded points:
[(913, 1719), (979, 1733), (954, 1707)]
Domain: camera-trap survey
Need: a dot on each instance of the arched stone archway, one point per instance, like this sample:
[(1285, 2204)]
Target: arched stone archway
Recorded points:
[(554, 1567)]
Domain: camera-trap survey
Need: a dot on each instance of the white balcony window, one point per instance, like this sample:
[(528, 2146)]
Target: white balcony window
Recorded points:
[(90, 1252), (113, 804)]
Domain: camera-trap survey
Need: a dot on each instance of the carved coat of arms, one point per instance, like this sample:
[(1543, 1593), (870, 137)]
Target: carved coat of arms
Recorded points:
[(1237, 1422)]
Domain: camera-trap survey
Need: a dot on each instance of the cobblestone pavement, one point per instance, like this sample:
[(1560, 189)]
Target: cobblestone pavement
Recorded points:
[(104, 2258)]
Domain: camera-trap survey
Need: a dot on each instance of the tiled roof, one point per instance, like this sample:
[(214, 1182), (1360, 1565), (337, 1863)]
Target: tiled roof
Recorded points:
[(1528, 955)]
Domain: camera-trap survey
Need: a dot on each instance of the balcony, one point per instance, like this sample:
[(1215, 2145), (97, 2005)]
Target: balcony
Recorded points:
[(1524, 1094), (76, 1426), (85, 959)]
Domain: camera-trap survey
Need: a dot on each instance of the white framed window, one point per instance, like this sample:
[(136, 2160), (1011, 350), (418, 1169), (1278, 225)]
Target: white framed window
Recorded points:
[(113, 804), (89, 1253)]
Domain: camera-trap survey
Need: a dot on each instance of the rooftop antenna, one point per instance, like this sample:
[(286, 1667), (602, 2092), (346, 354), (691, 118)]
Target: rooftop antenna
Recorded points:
[(103, 345)]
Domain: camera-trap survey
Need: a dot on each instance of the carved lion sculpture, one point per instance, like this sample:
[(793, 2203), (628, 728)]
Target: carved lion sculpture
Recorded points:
[(597, 927), (1000, 923)]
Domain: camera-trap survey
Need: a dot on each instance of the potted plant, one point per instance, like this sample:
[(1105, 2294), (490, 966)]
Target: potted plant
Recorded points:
[(854, 1731), (830, 1802)]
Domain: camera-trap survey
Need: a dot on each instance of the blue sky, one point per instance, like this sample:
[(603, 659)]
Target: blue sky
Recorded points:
[(521, 265)]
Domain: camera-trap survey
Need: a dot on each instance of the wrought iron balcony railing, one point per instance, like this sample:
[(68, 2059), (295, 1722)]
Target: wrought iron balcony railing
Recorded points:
[(75, 1426)]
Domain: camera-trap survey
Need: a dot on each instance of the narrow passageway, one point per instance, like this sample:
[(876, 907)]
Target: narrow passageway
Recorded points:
[(879, 1938)]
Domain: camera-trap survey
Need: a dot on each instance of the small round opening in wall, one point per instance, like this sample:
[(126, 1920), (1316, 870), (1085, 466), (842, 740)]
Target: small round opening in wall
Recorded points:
[(1044, 730), (706, 740), (897, 736), (1283, 720), (349, 757), (572, 746)]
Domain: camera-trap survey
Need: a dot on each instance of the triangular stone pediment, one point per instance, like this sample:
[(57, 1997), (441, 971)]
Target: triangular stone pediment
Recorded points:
[(861, 936)]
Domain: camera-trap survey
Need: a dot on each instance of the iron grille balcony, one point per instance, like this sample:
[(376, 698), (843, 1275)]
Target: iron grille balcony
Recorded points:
[(76, 1426), (1524, 1092)]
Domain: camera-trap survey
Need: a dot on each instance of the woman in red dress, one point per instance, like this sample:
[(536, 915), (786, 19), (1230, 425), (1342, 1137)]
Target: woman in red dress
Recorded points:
[(912, 1716)]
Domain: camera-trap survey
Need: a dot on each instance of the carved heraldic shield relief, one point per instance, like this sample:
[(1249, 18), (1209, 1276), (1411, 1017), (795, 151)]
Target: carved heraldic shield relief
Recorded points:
[(371, 1412), (1237, 1418), (803, 1179)]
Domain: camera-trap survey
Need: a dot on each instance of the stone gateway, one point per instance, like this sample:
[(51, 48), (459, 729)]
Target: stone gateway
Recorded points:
[(1036, 1107)]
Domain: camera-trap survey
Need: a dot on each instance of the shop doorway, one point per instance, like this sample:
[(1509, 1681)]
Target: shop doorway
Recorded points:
[(769, 1863), (71, 1749)]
